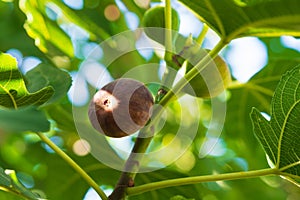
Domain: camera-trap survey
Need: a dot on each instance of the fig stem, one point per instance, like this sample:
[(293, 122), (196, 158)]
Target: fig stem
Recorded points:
[(73, 164), (202, 35), (168, 31), (200, 179), (168, 76), (131, 165)]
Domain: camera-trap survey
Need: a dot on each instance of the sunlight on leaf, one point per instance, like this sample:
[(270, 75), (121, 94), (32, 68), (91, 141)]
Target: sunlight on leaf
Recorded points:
[(13, 92), (233, 19), (280, 136), (48, 36)]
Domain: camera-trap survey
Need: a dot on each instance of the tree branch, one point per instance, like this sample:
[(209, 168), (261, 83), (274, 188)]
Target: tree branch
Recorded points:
[(200, 179)]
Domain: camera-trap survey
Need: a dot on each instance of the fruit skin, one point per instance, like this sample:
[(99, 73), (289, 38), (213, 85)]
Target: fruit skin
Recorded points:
[(154, 23), (121, 108), (212, 80)]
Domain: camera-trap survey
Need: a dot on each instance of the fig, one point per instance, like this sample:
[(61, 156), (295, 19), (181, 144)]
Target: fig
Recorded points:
[(212, 80), (154, 23), (120, 108)]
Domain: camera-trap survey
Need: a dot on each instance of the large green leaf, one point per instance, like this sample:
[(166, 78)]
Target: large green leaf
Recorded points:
[(9, 182), (47, 75), (280, 136), (48, 36), (232, 19), (257, 92), (13, 92), (12, 34), (23, 119)]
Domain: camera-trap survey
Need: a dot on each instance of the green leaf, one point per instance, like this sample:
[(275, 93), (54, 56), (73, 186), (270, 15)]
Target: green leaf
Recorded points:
[(9, 182), (47, 75), (257, 92), (264, 18), (13, 35), (280, 136), (13, 92), (48, 36), (23, 119)]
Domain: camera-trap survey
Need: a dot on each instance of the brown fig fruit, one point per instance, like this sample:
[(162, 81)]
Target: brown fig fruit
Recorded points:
[(121, 108)]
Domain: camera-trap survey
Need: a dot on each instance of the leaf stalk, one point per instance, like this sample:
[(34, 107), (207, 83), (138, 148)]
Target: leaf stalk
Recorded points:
[(73, 164), (200, 179)]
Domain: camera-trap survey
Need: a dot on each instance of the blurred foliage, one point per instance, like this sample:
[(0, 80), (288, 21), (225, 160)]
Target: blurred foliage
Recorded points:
[(62, 37)]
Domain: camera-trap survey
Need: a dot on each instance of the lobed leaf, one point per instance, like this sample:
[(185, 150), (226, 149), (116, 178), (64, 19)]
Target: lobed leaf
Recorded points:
[(13, 92), (47, 75), (280, 136), (257, 92), (233, 18)]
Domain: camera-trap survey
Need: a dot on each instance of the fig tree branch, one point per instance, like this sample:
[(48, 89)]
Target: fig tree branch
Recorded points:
[(168, 31), (200, 179), (202, 35), (145, 136)]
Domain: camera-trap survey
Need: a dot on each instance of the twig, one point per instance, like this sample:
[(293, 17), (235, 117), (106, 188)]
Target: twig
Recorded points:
[(73, 164)]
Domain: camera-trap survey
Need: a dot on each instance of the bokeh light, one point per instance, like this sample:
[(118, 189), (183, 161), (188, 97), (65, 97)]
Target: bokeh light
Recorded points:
[(77, 5), (112, 12), (81, 147), (290, 42), (186, 162), (29, 63), (142, 3), (78, 94)]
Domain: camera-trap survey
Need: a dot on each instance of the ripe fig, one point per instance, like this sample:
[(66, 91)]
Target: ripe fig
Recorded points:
[(120, 108), (154, 23)]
